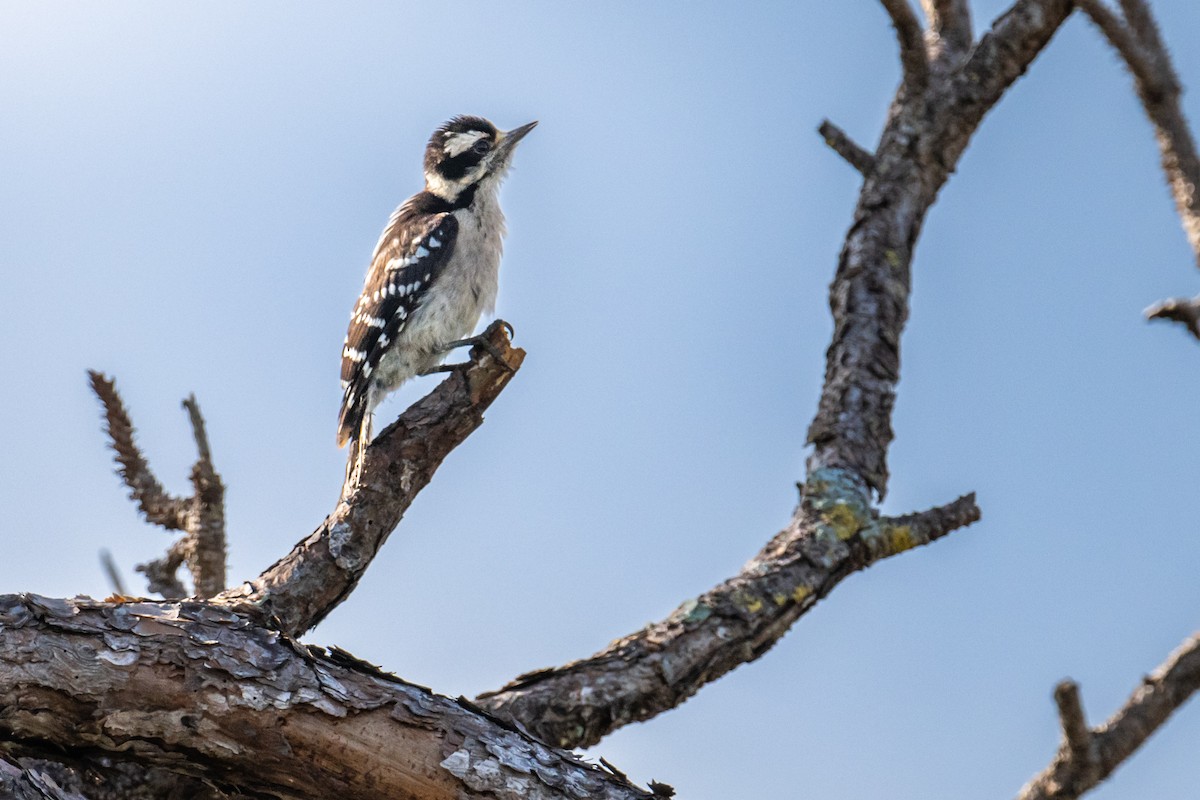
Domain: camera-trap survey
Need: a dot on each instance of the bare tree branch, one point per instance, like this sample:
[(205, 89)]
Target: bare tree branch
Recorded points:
[(162, 574), (112, 573), (1087, 757), (204, 691), (949, 26), (920, 146), (340, 710), (206, 551), (857, 156), (144, 489), (322, 569), (1077, 737), (655, 669), (835, 530), (912, 44), (1137, 40), (201, 516), (1141, 20), (1003, 54)]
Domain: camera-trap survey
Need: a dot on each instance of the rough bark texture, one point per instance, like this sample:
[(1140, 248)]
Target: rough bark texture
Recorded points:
[(300, 589), (212, 700), (203, 691), (829, 537), (924, 137), (655, 669)]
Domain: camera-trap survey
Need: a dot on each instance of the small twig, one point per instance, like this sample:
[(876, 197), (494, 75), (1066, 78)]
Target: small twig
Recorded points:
[(605, 763), (1141, 21), (912, 44), (159, 507), (206, 557), (1121, 38), (855, 154), (1179, 310), (198, 431), (110, 570), (161, 574), (1076, 734)]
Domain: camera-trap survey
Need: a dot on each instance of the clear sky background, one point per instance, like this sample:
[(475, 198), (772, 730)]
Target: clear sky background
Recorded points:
[(189, 193)]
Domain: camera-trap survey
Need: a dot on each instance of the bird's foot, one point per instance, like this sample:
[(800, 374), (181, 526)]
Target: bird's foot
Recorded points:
[(444, 368), (481, 341)]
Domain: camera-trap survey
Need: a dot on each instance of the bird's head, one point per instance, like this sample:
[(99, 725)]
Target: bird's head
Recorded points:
[(466, 152)]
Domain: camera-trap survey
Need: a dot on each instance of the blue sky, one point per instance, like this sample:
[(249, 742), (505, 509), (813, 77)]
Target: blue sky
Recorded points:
[(189, 193)]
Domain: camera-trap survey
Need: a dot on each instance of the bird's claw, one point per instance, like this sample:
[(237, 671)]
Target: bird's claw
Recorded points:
[(444, 368), (483, 342)]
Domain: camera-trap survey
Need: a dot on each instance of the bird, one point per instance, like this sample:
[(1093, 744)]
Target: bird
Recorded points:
[(434, 272)]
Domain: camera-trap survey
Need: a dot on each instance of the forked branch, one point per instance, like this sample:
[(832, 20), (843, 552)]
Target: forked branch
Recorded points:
[(1088, 756), (201, 517), (855, 154), (913, 59)]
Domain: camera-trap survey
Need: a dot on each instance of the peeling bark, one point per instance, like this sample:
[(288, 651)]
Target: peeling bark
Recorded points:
[(216, 700), (204, 691)]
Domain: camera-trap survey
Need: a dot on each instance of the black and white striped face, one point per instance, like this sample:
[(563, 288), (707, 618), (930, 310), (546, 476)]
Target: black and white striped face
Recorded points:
[(465, 151)]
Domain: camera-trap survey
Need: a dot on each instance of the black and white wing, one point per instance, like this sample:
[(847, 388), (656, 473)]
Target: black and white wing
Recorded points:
[(413, 250)]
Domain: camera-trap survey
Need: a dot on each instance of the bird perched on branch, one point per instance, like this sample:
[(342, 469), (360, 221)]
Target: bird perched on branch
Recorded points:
[(432, 275)]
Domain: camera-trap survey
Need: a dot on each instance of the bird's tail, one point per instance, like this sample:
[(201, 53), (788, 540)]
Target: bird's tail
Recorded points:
[(354, 426), (350, 418)]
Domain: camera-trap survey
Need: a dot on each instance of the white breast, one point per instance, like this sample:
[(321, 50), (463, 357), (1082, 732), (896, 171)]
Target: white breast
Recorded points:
[(464, 291)]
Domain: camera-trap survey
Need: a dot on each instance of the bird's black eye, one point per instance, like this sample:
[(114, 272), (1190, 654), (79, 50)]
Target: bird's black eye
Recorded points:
[(482, 146)]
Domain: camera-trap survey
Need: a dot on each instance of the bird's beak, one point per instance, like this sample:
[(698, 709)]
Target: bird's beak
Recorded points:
[(510, 138)]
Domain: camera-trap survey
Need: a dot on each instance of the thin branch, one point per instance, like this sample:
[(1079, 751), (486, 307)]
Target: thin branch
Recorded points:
[(1120, 37), (201, 516), (1088, 757), (158, 507), (1141, 21), (199, 433), (1077, 736), (949, 25), (112, 573), (1004, 53), (856, 155), (1137, 40), (304, 586), (913, 58), (660, 666), (206, 553), (1182, 310), (162, 574)]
